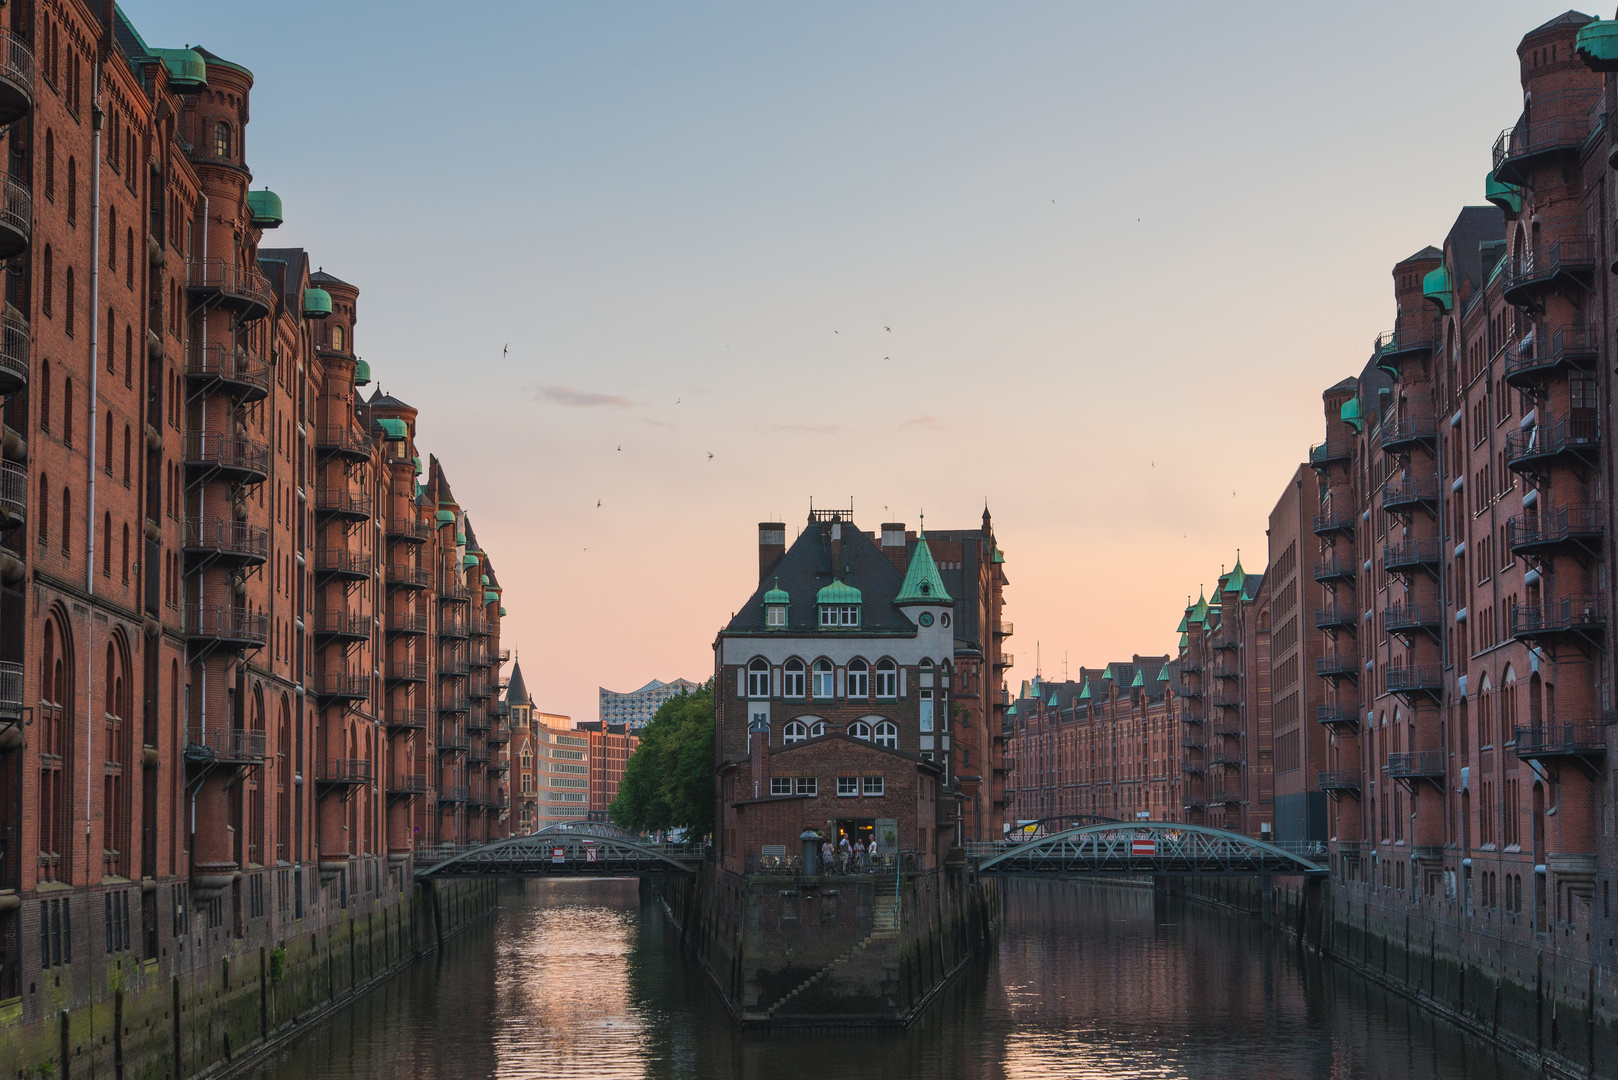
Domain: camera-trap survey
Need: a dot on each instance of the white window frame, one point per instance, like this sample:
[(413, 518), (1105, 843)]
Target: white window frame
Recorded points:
[(859, 679), (848, 787), (824, 680), (806, 785), (927, 711), (780, 785), (795, 731), (758, 679), (792, 679), (859, 729), (873, 786), (886, 733), (887, 681), (775, 615)]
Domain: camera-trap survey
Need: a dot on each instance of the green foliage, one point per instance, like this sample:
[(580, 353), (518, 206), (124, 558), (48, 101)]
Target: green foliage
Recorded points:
[(278, 964), (669, 780)]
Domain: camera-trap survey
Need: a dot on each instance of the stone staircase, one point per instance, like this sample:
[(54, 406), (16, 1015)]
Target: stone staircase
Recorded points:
[(884, 927), (817, 976)]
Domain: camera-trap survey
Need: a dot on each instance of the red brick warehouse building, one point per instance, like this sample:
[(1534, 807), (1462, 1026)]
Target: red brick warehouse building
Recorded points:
[(248, 643), (834, 693)]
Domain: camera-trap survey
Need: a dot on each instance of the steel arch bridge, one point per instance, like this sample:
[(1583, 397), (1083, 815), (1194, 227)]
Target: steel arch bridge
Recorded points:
[(1146, 847), (565, 853)]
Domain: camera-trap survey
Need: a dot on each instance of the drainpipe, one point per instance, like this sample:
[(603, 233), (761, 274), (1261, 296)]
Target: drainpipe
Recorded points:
[(202, 494), (97, 118)]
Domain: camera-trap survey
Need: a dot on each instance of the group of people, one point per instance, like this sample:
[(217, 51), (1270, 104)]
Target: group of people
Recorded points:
[(848, 856)]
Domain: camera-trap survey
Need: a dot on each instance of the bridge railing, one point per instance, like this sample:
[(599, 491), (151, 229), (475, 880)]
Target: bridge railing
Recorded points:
[(908, 862)]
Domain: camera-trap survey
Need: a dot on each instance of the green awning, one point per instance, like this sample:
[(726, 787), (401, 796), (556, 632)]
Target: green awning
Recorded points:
[(1140, 679), (490, 596), (187, 69), (1438, 288), (446, 517), (418, 465), (1350, 414), (838, 592), (1597, 44), (393, 428), (485, 579), (265, 208), (502, 612), (1508, 197), (460, 539), (362, 373), (316, 302), (469, 560)]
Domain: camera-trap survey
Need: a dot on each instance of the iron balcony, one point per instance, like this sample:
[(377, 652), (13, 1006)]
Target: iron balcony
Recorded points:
[(342, 503), (341, 625), (1336, 618), (1331, 522), (1530, 363), (453, 667), (1335, 569), (13, 494), (1336, 666), (224, 746), (1411, 555), (452, 629), (229, 368), (407, 623), (1585, 741), (498, 737), (453, 592), (10, 689), (1348, 780), (1226, 798), (1227, 731), (480, 690), (246, 461), (1539, 534), (454, 794), (1189, 766), (1394, 346), (408, 719), (477, 724), (1338, 716), (1570, 440), (1331, 452), (411, 530), (414, 578), (222, 538), (16, 78), (339, 440), (406, 671), (1416, 765), (1412, 617), (1400, 433), (344, 772), (1570, 259), (1190, 666), (229, 626), (341, 685), (240, 289), (1400, 496), (1225, 641), (1225, 699), (454, 744), (337, 563), (1229, 670), (14, 352), (452, 703), (1415, 678), (408, 784), (1569, 616), (1522, 146), (16, 217)]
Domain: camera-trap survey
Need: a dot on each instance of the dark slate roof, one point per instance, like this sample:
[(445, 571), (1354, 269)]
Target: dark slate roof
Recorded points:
[(1474, 227), (1372, 382), (1428, 252), (320, 277), (806, 568), (386, 401), (285, 268), (517, 691), (1349, 383), (438, 483), (1567, 18)]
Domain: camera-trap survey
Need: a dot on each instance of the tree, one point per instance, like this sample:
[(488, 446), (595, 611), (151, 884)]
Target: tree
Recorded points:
[(668, 781)]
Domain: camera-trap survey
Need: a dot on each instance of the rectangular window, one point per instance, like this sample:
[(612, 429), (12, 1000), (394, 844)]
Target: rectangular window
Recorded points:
[(848, 785), (871, 785), (926, 710), (777, 616), (806, 785), (823, 682), (780, 785)]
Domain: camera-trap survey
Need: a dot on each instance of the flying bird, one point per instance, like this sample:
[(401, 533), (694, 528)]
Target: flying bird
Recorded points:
[(710, 455), (620, 448), (505, 350), (676, 401), (598, 504), (889, 329)]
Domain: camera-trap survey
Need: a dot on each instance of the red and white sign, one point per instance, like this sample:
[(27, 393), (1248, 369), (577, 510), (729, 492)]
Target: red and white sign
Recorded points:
[(589, 854), (1143, 845), (558, 854)]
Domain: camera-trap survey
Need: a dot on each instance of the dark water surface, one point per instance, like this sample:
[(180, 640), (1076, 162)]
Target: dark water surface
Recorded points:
[(573, 979)]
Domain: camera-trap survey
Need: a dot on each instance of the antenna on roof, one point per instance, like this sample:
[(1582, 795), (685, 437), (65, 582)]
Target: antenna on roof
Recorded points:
[(1036, 659)]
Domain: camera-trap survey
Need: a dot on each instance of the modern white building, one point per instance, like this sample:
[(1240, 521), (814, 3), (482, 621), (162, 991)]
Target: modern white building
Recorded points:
[(637, 707)]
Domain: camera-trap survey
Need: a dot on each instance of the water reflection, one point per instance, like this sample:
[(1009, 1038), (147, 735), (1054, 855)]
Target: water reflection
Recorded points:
[(572, 979)]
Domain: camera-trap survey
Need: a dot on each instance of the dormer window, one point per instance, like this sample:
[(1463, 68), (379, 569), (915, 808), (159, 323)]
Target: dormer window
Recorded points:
[(839, 605), (775, 607), (839, 615)]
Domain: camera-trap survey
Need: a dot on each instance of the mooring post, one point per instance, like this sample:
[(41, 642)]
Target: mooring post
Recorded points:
[(1266, 899)]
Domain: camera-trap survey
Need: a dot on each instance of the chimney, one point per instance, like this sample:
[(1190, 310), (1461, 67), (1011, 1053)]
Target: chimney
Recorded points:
[(837, 564), (893, 543), (772, 544)]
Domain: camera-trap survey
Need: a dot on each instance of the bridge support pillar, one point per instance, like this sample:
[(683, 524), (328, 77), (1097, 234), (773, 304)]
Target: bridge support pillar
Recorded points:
[(1266, 900)]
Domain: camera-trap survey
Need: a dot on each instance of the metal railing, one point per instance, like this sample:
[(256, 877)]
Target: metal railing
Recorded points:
[(1581, 739), (339, 561), (1566, 614), (407, 623), (1412, 616), (10, 687), (1416, 764), (1330, 521), (1412, 490), (453, 592), (453, 667), (13, 492), (452, 742), (1337, 714), (408, 784), (409, 528), (245, 284), (341, 684), (1524, 139), (14, 351), (227, 623), (343, 501), (1393, 342), (226, 537), (355, 624), (344, 771), (409, 719), (1411, 553), (16, 205), (406, 671), (1337, 664), (1564, 255), (227, 364), (454, 793), (452, 703), (16, 61), (1401, 430), (1545, 351), (412, 577), (224, 744), (1347, 780), (1555, 525), (341, 439), (1334, 567), (1335, 616), (1552, 438), (217, 450), (1331, 450), (1415, 677)]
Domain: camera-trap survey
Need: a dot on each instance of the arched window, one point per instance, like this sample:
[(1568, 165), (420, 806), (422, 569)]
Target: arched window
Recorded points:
[(106, 437), (792, 679), (126, 553), (67, 410), (794, 732), (112, 354), (221, 140), (337, 338), (47, 279), (72, 190), (112, 231), (859, 679), (887, 679), (1508, 707), (887, 734), (67, 519), (106, 544), (68, 295), (758, 678), (129, 256), (42, 512), (859, 729), (126, 455), (50, 164), (825, 682)]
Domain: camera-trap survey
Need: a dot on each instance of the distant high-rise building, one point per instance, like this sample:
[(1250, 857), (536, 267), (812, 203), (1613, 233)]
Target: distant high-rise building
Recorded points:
[(636, 708)]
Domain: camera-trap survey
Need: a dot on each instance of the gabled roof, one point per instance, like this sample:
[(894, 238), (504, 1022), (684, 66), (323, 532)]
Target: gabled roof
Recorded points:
[(386, 401), (517, 691), (922, 583), (806, 568), (1567, 18), (320, 277), (1425, 254)]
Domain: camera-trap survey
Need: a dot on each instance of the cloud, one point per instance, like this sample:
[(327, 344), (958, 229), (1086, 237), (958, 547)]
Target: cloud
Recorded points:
[(926, 423), (647, 420), (799, 429), (566, 395)]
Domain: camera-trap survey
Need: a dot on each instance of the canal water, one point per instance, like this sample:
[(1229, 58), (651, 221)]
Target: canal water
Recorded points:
[(573, 979)]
